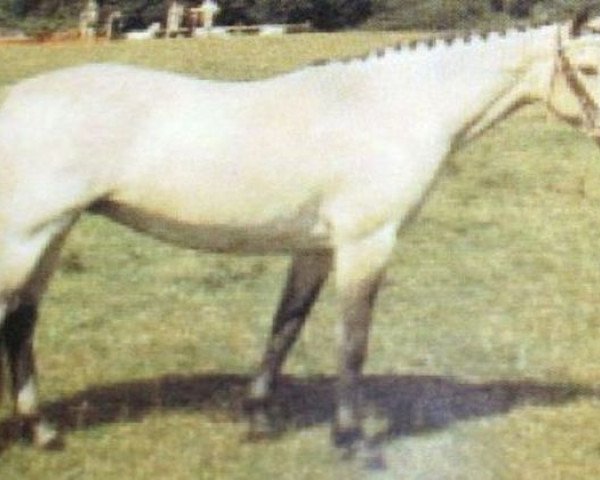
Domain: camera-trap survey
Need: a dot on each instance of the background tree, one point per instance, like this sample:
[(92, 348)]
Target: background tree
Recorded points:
[(323, 14)]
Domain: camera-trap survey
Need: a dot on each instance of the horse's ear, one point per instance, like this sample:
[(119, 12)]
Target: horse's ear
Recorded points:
[(581, 18)]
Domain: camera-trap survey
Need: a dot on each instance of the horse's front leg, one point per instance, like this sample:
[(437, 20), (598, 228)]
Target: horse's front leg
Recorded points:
[(306, 276), (359, 270), (17, 336)]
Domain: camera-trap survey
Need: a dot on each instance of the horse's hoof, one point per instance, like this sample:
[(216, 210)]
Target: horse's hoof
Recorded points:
[(353, 446), (46, 437), (262, 427), (262, 424), (40, 434)]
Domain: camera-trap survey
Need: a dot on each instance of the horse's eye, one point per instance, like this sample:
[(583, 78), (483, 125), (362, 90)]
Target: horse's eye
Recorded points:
[(589, 70)]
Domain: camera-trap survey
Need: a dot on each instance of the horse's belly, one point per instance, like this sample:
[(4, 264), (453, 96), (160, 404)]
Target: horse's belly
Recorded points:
[(301, 230)]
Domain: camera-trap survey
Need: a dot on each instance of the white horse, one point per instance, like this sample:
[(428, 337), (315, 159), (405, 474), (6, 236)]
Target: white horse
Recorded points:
[(325, 163)]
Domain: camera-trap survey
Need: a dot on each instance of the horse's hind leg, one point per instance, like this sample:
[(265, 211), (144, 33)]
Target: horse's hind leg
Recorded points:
[(306, 276), (16, 336)]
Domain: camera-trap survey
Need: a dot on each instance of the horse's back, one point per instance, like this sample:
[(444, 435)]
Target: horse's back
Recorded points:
[(172, 148), (208, 160)]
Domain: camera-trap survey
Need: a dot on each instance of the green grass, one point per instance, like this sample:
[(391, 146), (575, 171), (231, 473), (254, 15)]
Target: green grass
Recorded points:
[(485, 345)]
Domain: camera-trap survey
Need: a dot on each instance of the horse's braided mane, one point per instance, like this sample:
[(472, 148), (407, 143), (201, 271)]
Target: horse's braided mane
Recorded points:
[(446, 37)]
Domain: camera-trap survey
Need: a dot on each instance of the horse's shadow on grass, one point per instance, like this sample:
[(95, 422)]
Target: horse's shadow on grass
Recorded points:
[(406, 404)]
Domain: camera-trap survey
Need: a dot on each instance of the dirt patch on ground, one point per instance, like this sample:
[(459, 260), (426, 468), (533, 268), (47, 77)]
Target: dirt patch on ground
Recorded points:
[(46, 37)]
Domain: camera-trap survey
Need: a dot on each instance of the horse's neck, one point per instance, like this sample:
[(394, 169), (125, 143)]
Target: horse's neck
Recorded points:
[(460, 90)]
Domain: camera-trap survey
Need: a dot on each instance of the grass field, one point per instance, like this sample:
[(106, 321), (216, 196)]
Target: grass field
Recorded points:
[(484, 356)]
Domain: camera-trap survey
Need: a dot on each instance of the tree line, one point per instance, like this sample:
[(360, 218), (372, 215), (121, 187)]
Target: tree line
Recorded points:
[(323, 14)]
